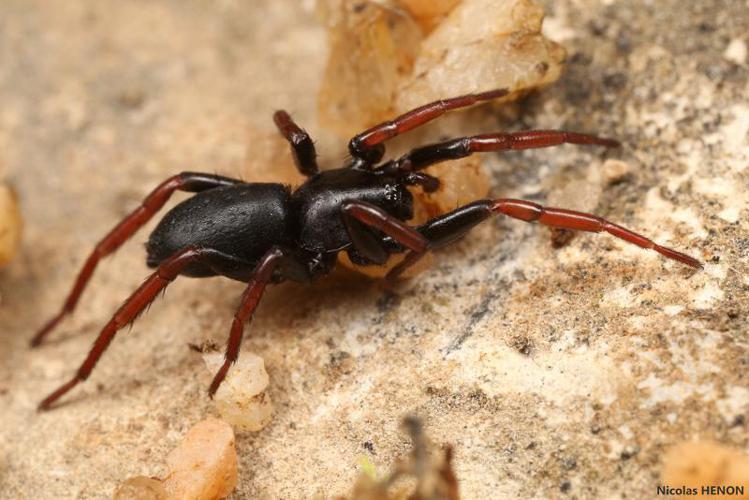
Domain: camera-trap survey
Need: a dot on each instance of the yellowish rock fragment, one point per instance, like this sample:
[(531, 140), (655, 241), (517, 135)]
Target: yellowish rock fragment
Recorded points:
[(141, 488), (615, 170), (483, 45), (428, 13), (700, 464), (380, 65), (204, 465), (461, 182), (10, 225), (372, 47), (242, 399)]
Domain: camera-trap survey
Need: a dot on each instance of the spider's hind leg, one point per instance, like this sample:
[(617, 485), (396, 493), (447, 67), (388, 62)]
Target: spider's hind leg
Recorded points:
[(192, 182), (167, 271)]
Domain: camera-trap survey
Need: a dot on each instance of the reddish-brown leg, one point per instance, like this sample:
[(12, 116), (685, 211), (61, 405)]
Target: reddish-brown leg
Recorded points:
[(364, 145), (167, 271), (186, 181), (302, 147), (250, 299), (425, 156), (579, 221), (447, 228)]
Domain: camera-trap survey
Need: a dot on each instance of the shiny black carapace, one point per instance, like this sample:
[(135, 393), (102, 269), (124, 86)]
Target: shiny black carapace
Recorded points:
[(266, 233)]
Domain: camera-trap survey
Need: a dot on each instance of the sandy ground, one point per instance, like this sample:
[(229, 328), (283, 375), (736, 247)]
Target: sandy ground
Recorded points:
[(553, 372)]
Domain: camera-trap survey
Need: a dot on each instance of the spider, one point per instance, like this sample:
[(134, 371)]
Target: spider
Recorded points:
[(262, 233)]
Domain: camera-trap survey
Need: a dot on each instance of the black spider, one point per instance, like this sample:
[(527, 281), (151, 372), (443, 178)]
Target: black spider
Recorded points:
[(265, 233)]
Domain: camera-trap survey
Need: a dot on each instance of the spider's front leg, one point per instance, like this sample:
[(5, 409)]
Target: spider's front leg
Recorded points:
[(448, 228), (454, 149), (186, 181), (368, 145)]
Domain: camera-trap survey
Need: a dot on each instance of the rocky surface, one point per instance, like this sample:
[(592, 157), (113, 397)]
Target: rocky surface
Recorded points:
[(552, 371)]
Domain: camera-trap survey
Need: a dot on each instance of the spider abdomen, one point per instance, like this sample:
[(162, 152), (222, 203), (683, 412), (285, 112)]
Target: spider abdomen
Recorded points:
[(241, 222)]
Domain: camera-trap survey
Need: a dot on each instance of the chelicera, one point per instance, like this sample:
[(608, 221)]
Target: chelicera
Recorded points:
[(266, 233)]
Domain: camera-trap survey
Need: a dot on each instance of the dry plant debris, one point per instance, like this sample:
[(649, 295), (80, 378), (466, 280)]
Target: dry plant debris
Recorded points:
[(242, 399), (426, 474), (483, 45)]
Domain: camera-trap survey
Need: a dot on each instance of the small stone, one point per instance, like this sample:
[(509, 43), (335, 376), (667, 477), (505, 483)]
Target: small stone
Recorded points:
[(242, 399), (629, 451), (569, 463), (204, 465), (736, 51), (368, 42), (461, 182), (140, 488), (615, 171), (483, 45)]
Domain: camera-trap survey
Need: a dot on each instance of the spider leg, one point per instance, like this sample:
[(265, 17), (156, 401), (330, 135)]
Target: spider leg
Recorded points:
[(186, 181), (425, 156), (250, 299), (442, 231), (365, 241), (359, 216), (302, 147), (580, 221), (167, 271), (447, 228), (368, 145)]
